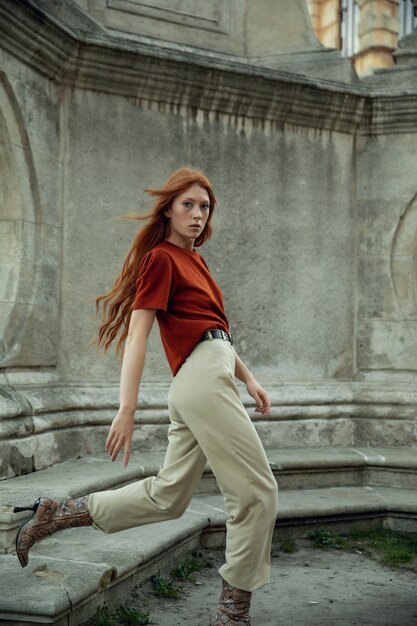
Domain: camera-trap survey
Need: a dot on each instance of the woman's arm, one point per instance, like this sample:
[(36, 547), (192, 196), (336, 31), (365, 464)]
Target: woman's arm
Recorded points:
[(121, 431), (263, 402)]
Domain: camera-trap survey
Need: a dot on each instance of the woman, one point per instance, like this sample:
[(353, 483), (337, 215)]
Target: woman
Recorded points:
[(207, 418)]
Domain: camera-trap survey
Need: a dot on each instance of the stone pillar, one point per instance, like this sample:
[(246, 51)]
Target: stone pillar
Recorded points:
[(378, 34), (314, 8), (330, 24), (325, 18)]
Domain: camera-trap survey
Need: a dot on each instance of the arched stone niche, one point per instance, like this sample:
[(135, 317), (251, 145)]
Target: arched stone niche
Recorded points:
[(28, 294), (404, 261), (403, 271)]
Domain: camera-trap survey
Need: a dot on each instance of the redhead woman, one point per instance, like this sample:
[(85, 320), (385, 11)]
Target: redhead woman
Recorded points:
[(166, 278)]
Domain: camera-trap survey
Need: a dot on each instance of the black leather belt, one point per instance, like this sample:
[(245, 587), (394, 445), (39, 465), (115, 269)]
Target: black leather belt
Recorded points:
[(217, 333)]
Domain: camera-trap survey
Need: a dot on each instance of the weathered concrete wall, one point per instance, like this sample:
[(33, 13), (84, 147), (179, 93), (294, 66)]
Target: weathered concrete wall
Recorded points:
[(282, 250), (30, 217), (315, 230), (232, 26), (387, 271)]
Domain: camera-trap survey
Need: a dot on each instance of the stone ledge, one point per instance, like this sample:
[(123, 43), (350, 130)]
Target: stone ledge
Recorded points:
[(96, 472), (74, 571), (41, 425), (361, 399), (294, 468), (68, 575), (184, 79)]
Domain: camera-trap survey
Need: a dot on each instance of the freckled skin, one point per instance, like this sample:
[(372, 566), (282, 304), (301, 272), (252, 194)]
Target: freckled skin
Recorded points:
[(192, 206)]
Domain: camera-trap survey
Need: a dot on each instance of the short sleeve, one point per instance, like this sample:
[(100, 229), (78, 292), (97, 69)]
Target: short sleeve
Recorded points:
[(204, 262), (154, 280)]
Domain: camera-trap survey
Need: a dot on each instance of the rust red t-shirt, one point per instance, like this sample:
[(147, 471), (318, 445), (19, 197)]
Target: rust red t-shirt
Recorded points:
[(178, 283)]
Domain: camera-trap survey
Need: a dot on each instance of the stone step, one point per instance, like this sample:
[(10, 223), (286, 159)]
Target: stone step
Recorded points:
[(73, 572), (293, 468)]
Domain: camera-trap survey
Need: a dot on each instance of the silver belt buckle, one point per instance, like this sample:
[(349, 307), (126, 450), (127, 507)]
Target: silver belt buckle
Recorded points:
[(209, 335)]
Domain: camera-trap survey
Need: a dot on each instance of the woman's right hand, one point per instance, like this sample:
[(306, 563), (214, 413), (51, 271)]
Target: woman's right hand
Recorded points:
[(120, 436), (121, 431)]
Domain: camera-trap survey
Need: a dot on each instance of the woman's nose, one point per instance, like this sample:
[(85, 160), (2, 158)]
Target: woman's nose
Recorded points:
[(197, 212)]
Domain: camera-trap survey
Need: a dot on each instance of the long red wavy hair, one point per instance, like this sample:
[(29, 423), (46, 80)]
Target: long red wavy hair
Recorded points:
[(118, 302)]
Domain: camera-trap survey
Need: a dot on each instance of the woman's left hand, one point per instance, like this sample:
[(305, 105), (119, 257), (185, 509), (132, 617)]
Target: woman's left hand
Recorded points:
[(258, 393)]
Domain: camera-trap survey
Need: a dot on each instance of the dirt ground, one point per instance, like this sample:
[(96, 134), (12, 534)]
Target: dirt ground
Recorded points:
[(310, 587)]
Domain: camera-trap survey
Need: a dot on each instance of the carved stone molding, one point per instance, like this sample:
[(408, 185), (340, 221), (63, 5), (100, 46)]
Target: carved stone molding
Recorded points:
[(213, 15), (190, 80), (403, 257), (21, 243), (44, 425)]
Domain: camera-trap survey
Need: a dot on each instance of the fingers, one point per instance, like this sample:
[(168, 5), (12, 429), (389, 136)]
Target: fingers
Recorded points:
[(109, 439), (113, 446), (115, 450), (263, 403), (127, 453), (115, 442)]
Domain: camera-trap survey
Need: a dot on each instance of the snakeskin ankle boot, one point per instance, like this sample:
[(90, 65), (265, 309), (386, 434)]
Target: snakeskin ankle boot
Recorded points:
[(233, 607), (49, 516)]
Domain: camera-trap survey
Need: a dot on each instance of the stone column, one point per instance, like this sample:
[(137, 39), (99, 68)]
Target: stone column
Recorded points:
[(378, 34), (314, 8), (330, 24), (325, 18)]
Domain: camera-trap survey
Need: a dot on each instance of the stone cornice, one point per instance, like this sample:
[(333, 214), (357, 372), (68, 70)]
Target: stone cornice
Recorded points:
[(191, 80), (40, 426), (289, 401)]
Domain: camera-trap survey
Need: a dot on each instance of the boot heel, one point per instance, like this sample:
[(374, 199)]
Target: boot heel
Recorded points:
[(34, 507)]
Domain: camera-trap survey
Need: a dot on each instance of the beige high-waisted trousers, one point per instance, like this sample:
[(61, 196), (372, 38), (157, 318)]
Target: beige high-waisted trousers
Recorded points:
[(207, 421)]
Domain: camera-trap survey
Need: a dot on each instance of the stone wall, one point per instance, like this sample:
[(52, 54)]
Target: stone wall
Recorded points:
[(282, 250), (387, 271), (314, 230)]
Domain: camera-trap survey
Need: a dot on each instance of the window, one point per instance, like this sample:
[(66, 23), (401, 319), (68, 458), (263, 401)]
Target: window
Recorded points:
[(406, 18), (349, 27)]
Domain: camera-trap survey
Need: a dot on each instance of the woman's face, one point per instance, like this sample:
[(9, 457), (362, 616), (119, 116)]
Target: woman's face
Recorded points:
[(188, 215)]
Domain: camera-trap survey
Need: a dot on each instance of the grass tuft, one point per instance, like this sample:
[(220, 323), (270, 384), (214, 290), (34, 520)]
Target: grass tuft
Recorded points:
[(165, 588), (326, 539), (103, 617), (190, 564), (394, 548), (132, 617), (288, 545)]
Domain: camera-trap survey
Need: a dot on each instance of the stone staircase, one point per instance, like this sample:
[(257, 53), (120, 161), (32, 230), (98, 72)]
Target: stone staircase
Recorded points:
[(52, 439), (71, 573)]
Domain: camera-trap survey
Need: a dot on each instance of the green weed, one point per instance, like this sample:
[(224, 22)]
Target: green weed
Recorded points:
[(103, 617), (288, 545), (165, 588), (190, 564), (326, 539), (132, 617), (394, 548)]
